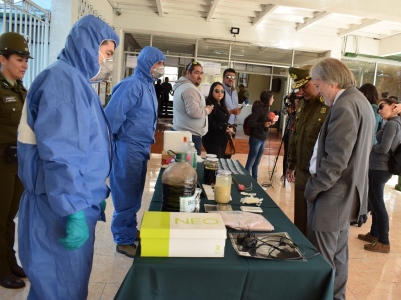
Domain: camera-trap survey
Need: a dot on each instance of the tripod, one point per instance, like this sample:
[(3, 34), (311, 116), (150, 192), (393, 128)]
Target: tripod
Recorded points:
[(286, 135)]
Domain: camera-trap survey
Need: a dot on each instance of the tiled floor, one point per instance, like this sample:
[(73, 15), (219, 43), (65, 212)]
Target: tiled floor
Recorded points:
[(371, 275)]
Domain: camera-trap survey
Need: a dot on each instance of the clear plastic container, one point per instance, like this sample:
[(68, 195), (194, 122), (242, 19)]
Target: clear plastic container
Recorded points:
[(222, 188), (179, 181)]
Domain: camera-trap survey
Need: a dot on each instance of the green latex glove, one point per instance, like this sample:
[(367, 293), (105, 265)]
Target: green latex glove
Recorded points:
[(76, 231), (103, 205)]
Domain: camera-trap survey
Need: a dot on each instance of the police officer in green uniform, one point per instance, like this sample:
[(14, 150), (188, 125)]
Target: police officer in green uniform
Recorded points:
[(309, 118), (14, 55), (243, 94)]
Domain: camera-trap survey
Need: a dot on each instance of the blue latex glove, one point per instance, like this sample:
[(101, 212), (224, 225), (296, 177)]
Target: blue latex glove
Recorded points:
[(76, 231), (103, 205)]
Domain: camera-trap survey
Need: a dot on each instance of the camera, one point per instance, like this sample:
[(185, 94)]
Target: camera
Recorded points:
[(289, 100)]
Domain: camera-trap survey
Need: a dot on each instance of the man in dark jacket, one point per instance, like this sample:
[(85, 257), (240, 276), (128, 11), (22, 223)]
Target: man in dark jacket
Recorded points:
[(166, 91)]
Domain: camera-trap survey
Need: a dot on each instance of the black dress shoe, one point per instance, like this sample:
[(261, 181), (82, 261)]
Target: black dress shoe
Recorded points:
[(18, 271), (11, 281)]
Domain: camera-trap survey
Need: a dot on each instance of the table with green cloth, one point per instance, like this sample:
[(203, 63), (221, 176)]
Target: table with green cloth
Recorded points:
[(234, 276)]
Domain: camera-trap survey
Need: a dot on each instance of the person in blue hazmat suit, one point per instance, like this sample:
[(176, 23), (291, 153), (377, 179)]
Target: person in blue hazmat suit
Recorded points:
[(132, 112), (64, 154)]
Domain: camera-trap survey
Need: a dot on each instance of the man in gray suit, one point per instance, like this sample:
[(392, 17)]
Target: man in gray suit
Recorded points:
[(339, 166)]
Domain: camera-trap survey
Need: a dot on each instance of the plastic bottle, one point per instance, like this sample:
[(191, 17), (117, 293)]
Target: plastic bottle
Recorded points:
[(179, 183), (192, 153)]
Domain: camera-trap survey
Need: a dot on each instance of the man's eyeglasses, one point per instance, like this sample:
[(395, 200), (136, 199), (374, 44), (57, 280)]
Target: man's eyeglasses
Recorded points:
[(219, 91), (194, 63), (230, 76)]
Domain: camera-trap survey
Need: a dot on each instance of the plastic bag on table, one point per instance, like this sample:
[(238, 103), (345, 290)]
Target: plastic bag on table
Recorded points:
[(241, 220)]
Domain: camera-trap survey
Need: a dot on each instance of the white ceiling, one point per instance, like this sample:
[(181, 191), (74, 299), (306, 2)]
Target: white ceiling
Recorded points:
[(375, 20), (275, 14)]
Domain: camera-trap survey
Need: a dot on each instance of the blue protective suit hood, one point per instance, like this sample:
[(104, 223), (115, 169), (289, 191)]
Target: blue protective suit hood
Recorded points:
[(146, 59), (132, 113), (64, 158), (91, 32)]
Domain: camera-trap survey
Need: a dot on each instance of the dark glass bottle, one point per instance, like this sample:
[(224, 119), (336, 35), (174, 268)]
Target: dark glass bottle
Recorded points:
[(179, 180), (210, 170)]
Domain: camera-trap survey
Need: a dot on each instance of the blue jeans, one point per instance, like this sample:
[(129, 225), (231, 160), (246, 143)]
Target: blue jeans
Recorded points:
[(256, 149), (380, 223), (197, 140)]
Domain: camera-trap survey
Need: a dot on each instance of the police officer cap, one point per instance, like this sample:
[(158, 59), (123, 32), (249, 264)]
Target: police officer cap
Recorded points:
[(14, 43), (299, 76)]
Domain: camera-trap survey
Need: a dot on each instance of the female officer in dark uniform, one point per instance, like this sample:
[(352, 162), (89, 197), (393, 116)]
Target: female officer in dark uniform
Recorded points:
[(14, 55)]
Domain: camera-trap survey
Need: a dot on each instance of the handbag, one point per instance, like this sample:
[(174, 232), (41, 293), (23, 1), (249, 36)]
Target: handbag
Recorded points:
[(394, 163), (246, 126), (230, 147)]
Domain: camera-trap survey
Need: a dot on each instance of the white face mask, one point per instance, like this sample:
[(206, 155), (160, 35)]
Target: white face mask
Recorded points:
[(106, 68), (158, 72)]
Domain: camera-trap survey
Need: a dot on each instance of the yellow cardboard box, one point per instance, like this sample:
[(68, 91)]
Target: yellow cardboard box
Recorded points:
[(177, 234)]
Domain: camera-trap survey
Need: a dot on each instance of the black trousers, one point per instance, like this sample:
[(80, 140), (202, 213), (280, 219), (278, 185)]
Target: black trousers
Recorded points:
[(11, 190), (164, 102), (300, 207)]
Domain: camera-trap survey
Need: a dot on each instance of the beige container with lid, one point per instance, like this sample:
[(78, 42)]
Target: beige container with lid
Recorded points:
[(222, 188)]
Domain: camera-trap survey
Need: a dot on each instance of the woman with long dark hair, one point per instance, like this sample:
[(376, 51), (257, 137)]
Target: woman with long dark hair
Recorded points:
[(371, 94), (215, 140), (259, 123), (388, 138)]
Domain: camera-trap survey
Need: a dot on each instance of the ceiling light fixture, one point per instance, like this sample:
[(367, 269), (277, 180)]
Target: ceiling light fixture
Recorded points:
[(234, 30)]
